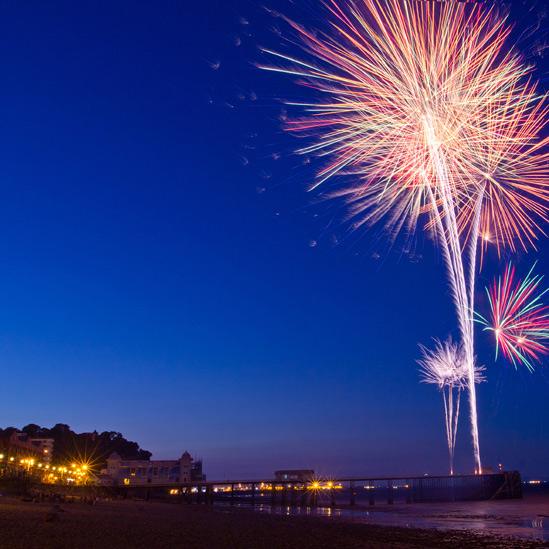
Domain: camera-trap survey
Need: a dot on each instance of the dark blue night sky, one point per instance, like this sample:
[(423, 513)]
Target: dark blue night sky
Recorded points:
[(164, 272)]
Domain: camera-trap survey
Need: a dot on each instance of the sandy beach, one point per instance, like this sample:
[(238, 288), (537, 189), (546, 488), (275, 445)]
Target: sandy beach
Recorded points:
[(135, 524)]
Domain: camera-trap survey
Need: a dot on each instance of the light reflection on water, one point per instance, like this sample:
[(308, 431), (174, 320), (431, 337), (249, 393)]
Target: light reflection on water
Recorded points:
[(421, 516)]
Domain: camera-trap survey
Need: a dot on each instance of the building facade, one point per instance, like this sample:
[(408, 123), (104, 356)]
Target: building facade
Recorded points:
[(45, 446), (137, 472), (298, 475), (20, 445)]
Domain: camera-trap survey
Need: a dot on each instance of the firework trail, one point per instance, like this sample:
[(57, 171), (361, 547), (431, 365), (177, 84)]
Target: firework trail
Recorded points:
[(429, 116), (518, 317), (416, 88), (445, 367)]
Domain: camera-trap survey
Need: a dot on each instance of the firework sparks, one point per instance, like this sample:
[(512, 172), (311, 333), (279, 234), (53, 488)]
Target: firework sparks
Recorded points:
[(406, 80), (446, 367), (518, 318), (513, 171), (432, 117)]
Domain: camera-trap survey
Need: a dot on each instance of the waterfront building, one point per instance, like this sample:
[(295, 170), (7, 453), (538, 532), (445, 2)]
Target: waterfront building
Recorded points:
[(122, 471), (46, 447), (20, 446)]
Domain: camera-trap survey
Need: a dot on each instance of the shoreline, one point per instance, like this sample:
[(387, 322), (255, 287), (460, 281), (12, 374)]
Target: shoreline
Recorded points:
[(525, 519), (139, 524)]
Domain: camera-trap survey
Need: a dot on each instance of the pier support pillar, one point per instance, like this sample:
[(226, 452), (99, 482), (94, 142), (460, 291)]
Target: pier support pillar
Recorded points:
[(303, 502), (352, 493), (293, 496), (232, 494), (390, 499)]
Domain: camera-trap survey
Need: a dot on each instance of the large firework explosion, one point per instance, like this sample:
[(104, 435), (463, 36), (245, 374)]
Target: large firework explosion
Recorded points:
[(429, 115)]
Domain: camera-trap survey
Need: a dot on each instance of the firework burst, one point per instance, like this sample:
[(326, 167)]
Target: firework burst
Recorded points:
[(518, 318), (433, 118), (408, 84), (446, 367)]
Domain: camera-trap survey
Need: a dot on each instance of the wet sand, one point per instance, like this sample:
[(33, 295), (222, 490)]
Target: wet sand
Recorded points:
[(129, 524), (526, 518)]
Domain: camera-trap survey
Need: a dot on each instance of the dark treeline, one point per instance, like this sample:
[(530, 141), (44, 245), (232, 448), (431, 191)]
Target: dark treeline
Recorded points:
[(90, 447)]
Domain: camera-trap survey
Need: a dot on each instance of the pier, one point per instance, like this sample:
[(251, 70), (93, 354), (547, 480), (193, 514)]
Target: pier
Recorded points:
[(334, 492)]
